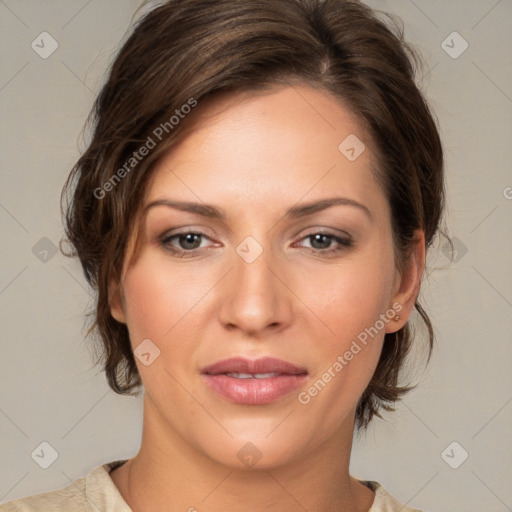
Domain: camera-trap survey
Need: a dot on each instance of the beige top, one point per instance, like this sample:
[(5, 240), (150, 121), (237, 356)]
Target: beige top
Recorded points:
[(97, 492)]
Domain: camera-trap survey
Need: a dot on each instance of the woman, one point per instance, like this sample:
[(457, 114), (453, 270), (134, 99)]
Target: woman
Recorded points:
[(254, 210)]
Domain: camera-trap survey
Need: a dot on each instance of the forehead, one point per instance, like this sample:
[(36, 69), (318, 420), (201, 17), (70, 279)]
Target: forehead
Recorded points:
[(268, 147)]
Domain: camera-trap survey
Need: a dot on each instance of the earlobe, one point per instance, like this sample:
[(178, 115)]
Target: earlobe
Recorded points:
[(116, 302), (408, 285)]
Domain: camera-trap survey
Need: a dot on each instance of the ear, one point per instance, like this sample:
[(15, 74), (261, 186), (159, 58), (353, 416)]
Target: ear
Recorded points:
[(407, 284), (116, 301)]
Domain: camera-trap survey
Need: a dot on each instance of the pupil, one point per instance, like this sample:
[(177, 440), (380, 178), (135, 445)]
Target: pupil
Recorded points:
[(189, 239), (319, 238)]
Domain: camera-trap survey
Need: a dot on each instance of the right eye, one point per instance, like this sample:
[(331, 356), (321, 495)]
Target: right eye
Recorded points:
[(188, 242)]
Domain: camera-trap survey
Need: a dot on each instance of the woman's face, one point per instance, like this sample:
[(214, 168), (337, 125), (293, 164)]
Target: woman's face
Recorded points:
[(291, 258)]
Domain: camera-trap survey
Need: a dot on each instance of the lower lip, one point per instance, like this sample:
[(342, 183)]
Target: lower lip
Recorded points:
[(254, 391)]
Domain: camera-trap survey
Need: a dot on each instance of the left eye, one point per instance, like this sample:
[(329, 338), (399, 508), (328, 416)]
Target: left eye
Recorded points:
[(323, 242)]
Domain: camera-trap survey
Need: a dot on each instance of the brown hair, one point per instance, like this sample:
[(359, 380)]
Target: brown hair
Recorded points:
[(185, 52)]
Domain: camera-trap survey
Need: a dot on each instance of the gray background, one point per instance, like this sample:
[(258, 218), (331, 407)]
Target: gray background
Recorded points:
[(51, 392)]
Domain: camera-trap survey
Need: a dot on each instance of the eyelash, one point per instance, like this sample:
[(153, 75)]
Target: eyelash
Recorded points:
[(165, 241)]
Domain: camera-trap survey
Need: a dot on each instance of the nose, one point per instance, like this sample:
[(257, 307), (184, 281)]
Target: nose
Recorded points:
[(255, 297)]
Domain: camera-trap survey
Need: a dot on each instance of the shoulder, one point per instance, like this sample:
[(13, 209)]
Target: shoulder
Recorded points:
[(383, 501), (96, 491)]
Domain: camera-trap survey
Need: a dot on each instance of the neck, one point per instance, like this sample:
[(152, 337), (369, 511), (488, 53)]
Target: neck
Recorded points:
[(170, 474)]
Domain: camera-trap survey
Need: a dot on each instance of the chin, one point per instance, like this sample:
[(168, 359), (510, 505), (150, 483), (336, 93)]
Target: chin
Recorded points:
[(255, 455), (261, 445)]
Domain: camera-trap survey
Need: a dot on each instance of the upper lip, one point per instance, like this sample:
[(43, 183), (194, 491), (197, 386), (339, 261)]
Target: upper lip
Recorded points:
[(252, 366)]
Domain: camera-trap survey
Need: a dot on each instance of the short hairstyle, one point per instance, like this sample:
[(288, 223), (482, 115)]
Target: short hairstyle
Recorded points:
[(184, 52)]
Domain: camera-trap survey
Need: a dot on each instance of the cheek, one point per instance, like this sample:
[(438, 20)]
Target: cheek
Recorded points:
[(352, 312), (349, 303), (164, 306), (159, 301), (349, 298)]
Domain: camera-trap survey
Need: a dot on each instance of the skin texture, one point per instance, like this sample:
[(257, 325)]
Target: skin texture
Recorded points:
[(254, 156)]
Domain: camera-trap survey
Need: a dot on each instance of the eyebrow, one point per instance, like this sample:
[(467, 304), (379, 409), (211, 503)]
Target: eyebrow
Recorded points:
[(295, 212)]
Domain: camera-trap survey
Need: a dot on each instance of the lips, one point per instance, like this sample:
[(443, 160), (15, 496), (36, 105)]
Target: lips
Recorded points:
[(253, 381), (253, 366)]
